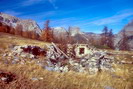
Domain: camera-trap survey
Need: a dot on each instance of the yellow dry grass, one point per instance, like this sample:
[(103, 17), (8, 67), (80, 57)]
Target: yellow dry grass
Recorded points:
[(7, 39), (121, 79), (71, 80)]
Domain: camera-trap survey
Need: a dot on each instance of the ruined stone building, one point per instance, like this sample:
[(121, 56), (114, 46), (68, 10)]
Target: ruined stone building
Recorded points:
[(78, 50)]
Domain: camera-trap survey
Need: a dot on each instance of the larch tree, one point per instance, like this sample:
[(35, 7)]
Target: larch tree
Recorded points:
[(33, 35), (47, 34), (18, 30)]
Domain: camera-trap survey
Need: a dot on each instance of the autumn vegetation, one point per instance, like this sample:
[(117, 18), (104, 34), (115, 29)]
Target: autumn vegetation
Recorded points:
[(18, 31), (106, 41), (121, 79)]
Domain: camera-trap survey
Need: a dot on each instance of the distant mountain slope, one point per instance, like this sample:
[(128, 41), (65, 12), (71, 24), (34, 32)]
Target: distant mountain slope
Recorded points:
[(74, 32), (14, 22), (129, 32), (59, 32)]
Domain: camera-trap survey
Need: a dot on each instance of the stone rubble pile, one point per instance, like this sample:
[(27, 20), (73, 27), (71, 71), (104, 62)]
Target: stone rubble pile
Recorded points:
[(58, 60), (6, 77), (91, 63), (21, 54)]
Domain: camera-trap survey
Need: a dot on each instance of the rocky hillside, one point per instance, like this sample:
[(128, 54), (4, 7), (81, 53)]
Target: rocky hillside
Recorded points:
[(60, 32), (31, 26), (129, 32), (74, 32), (14, 22)]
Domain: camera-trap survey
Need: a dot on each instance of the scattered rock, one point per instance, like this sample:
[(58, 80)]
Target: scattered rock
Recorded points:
[(20, 54), (92, 63), (4, 55), (3, 78), (108, 87), (36, 79), (7, 77), (126, 62)]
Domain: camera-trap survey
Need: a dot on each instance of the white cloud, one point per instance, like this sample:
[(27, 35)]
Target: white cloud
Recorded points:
[(53, 3), (31, 2), (112, 20), (39, 16), (14, 13), (64, 20)]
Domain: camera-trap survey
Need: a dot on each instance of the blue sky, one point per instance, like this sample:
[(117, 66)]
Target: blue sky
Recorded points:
[(89, 15)]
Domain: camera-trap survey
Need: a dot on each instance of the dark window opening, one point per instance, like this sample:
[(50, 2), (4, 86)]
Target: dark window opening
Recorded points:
[(81, 51)]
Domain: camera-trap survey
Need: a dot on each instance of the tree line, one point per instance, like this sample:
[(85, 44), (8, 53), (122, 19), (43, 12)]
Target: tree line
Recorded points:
[(18, 31), (106, 40)]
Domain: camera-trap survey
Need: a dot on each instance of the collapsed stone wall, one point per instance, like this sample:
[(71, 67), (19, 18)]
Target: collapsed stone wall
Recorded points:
[(91, 63), (23, 54), (56, 60)]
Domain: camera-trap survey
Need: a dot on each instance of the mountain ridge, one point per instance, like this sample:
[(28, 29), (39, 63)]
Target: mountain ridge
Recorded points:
[(61, 32), (25, 25)]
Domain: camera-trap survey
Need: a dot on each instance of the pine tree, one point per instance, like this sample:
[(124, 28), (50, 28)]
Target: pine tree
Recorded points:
[(104, 39), (110, 39)]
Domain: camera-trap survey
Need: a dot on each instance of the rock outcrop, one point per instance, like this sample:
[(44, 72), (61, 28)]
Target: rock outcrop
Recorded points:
[(14, 22), (60, 32), (129, 33), (74, 31)]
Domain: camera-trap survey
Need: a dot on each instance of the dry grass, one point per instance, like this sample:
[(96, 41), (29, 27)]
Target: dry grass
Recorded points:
[(121, 79), (7, 39)]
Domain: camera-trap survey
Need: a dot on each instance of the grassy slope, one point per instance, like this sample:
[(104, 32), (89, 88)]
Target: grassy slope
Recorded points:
[(7, 39), (53, 80)]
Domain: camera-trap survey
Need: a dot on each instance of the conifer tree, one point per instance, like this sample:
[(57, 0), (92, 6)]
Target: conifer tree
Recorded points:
[(110, 39), (104, 39), (47, 34)]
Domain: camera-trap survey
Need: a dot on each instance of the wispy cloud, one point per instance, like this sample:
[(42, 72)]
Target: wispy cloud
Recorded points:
[(112, 20), (64, 20), (31, 2), (39, 16), (53, 3), (14, 13)]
